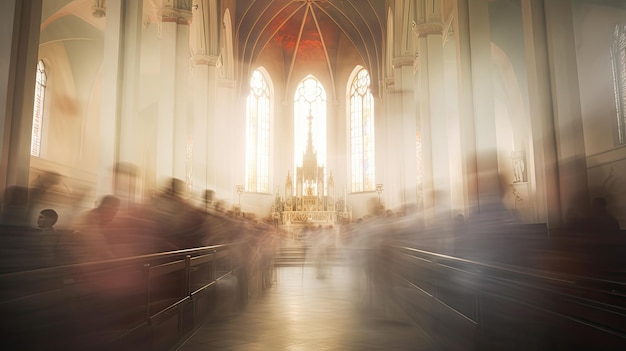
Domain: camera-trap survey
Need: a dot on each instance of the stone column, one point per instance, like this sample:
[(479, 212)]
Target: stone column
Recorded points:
[(172, 132), (466, 104), (452, 121), (404, 130), (401, 120), (432, 112), (204, 106), (489, 187), (570, 141), (389, 150), (205, 60), (120, 92), (19, 45), (544, 179)]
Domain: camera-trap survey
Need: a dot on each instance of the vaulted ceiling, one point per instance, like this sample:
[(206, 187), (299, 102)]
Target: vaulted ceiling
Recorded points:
[(311, 30)]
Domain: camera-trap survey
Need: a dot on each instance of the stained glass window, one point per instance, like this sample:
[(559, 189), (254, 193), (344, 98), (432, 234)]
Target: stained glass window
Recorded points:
[(258, 134), (618, 56), (310, 99), (362, 133), (40, 93)]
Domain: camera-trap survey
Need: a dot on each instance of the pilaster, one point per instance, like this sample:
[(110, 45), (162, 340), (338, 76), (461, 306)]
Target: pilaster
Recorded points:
[(570, 142), (434, 124), (172, 122), (543, 176), (19, 44), (466, 103), (120, 90), (204, 93), (488, 180)]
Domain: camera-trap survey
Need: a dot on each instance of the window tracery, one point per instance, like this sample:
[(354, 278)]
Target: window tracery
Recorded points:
[(258, 134), (40, 94), (362, 133)]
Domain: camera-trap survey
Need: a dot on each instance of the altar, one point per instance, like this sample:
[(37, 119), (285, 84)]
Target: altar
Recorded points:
[(314, 201)]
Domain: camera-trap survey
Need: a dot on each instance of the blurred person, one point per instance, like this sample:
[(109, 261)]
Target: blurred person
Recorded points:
[(45, 223), (15, 206), (92, 241), (101, 215), (47, 219), (41, 191), (601, 219), (323, 244), (180, 223)]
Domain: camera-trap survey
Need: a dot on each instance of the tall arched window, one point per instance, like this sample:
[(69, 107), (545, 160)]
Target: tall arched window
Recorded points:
[(40, 94), (362, 133), (258, 134), (618, 55), (310, 100)]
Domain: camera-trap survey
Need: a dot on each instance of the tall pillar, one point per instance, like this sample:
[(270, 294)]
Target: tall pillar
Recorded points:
[(172, 132), (204, 93), (432, 111), (466, 103), (205, 59), (570, 142), (408, 123), (544, 172), (120, 91), (391, 154), (488, 181), (452, 122), (400, 181), (19, 45)]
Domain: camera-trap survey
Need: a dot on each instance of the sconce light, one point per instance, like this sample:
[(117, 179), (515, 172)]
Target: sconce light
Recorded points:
[(379, 190), (240, 189)]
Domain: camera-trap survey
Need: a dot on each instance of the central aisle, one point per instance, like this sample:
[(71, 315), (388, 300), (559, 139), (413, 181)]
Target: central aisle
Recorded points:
[(302, 312)]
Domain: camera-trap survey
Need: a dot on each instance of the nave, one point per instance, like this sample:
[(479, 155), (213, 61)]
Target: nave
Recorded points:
[(311, 293), (303, 312)]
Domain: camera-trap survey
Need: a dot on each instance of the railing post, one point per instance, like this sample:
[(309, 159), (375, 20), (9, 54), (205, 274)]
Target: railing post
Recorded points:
[(480, 325), (214, 266), (146, 268), (187, 286)]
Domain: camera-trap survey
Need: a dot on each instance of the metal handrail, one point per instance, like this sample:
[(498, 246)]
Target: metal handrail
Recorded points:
[(596, 304), (29, 290)]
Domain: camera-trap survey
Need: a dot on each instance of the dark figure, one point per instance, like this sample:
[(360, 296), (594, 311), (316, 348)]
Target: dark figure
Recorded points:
[(47, 219), (601, 218), (94, 231), (15, 206), (49, 240)]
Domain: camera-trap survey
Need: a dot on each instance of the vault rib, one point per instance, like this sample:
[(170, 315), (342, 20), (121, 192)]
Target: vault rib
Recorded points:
[(330, 70)]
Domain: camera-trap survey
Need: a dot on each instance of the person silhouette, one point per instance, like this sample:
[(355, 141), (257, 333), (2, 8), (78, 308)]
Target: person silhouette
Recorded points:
[(47, 219)]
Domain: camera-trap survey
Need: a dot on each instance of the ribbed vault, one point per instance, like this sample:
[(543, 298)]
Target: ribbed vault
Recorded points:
[(310, 29)]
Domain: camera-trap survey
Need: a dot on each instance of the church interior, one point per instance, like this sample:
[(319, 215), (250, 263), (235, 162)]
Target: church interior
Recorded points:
[(458, 107), (324, 113)]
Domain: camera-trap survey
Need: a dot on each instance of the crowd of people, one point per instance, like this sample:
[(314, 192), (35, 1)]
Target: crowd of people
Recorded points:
[(114, 229), (170, 221)]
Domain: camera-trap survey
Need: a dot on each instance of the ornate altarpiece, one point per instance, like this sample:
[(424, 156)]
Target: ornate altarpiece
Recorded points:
[(312, 203)]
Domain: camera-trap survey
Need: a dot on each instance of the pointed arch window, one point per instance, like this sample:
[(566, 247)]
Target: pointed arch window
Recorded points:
[(40, 94), (362, 133), (310, 100), (258, 134), (618, 57)]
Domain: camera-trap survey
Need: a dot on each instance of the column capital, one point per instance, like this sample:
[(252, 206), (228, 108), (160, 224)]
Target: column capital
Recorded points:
[(388, 84), (401, 61), (424, 29), (179, 16), (208, 60), (98, 9)]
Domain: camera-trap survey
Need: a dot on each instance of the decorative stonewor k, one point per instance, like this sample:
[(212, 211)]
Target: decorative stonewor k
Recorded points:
[(330, 202), (519, 167)]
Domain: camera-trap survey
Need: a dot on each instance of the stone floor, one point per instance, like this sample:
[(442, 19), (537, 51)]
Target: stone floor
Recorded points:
[(304, 312)]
